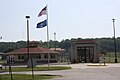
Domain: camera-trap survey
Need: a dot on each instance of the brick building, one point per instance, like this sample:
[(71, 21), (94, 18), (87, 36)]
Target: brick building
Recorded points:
[(84, 51), (39, 54)]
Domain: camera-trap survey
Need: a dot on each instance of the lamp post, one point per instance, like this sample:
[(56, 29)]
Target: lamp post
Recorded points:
[(30, 63), (55, 41), (28, 17), (114, 40)]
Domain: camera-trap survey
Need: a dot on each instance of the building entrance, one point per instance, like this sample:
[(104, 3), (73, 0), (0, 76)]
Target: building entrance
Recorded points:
[(86, 51), (85, 54)]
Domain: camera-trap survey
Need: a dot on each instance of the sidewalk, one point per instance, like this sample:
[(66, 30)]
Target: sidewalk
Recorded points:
[(94, 65)]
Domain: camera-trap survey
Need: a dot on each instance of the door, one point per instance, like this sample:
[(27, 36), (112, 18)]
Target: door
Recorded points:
[(85, 54)]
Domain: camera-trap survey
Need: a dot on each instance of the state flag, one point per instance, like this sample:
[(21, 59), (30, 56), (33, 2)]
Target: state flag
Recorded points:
[(42, 24)]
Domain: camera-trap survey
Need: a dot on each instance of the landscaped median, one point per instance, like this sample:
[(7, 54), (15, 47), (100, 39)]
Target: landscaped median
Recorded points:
[(19, 69), (28, 76)]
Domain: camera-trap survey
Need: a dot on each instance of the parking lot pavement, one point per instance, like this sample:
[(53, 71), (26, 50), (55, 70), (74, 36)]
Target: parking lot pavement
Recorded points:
[(84, 72)]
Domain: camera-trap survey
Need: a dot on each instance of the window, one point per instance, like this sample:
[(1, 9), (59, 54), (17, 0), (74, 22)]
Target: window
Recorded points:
[(38, 56), (20, 56), (46, 56), (52, 56)]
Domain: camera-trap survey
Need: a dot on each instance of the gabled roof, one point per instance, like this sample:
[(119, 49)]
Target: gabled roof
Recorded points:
[(35, 50)]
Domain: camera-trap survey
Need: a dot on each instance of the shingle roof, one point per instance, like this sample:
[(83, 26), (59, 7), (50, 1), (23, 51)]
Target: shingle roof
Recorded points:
[(36, 50), (57, 49)]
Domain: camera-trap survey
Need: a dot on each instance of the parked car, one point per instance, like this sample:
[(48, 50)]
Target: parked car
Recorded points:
[(1, 66)]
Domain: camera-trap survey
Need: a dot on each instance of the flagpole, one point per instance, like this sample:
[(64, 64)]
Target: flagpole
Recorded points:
[(48, 38)]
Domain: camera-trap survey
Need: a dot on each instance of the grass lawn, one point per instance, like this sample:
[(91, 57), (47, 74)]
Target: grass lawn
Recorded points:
[(110, 57), (18, 69), (25, 77)]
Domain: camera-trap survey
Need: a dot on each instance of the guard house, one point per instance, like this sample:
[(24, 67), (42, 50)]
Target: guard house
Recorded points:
[(86, 51)]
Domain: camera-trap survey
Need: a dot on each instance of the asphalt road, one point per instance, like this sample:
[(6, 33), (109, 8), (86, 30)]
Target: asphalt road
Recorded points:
[(84, 72)]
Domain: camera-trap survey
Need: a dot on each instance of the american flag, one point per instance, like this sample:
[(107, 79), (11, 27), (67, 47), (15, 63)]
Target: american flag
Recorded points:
[(43, 11)]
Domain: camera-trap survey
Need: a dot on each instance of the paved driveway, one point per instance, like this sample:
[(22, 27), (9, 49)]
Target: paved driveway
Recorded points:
[(84, 72)]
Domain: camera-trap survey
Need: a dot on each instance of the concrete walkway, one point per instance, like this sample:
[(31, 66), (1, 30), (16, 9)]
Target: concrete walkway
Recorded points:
[(85, 72)]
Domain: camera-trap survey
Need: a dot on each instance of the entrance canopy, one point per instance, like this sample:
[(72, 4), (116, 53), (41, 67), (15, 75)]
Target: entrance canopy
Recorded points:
[(84, 51)]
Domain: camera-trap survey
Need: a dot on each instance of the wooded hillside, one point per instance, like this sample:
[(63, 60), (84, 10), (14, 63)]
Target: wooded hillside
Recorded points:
[(104, 43)]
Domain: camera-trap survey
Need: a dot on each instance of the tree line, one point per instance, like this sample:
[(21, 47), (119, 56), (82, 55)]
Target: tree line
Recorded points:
[(104, 43)]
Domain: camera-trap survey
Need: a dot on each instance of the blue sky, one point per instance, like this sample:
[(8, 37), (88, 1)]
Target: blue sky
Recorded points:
[(68, 18)]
